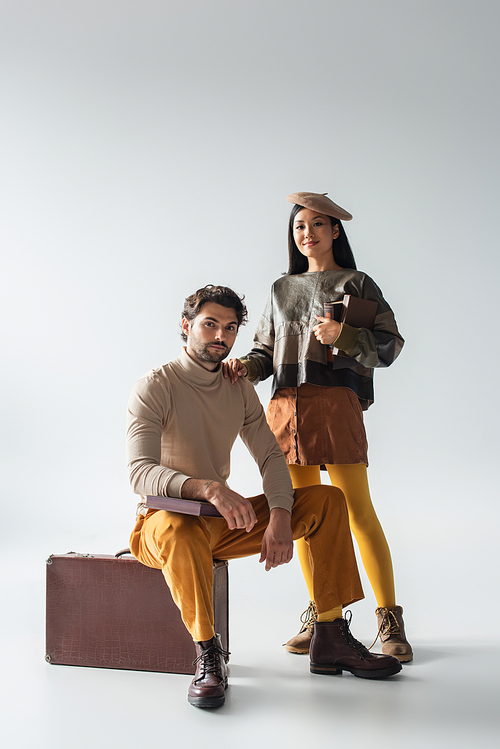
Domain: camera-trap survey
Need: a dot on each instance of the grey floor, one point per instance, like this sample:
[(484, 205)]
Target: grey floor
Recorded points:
[(445, 699), (448, 697)]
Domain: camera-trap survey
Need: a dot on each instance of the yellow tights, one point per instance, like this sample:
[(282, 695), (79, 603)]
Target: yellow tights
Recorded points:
[(365, 525)]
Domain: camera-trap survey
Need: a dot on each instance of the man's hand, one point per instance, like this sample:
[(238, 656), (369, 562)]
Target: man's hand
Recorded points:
[(277, 544), (233, 369), (327, 331), (237, 510)]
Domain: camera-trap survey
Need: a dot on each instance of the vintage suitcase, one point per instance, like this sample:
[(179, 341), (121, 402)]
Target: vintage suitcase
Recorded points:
[(113, 612)]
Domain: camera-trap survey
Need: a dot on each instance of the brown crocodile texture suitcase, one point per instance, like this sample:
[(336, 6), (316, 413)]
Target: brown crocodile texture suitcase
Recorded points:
[(113, 612)]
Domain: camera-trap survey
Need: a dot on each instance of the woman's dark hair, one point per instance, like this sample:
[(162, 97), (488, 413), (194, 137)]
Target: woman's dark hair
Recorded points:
[(222, 295), (342, 252)]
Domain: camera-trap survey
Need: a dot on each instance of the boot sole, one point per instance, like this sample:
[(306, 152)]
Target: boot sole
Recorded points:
[(380, 673), (208, 702), (296, 651), (404, 658)]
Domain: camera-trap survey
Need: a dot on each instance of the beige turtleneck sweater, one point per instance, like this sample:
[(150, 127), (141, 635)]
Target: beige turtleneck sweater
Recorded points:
[(182, 423)]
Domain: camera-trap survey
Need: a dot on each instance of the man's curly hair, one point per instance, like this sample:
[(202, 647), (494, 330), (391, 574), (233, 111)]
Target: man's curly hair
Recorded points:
[(222, 295)]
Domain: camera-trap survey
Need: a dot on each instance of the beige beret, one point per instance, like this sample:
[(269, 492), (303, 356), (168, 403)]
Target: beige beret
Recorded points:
[(319, 202)]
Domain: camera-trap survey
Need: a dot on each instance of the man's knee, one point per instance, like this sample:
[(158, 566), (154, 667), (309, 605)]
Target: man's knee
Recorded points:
[(329, 499), (172, 530)]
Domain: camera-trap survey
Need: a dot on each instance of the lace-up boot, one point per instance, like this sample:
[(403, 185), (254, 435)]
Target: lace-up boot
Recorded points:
[(301, 642), (391, 630), (334, 649), (210, 680)]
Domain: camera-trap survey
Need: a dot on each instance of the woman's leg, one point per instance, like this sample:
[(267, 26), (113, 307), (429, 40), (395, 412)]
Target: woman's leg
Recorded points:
[(353, 481), (307, 476), (373, 547), (304, 476)]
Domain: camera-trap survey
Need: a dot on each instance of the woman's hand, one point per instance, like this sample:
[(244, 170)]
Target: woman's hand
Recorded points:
[(233, 369), (327, 331)]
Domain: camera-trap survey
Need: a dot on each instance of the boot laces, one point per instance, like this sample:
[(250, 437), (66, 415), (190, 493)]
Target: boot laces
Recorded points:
[(309, 617), (209, 659), (389, 625), (349, 637)]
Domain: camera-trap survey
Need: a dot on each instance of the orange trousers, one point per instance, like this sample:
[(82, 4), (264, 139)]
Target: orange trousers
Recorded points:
[(184, 547)]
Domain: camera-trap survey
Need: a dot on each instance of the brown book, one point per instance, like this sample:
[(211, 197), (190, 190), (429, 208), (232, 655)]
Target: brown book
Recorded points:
[(184, 506), (356, 312)]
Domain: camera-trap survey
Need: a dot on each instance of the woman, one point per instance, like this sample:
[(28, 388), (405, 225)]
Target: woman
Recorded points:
[(317, 403)]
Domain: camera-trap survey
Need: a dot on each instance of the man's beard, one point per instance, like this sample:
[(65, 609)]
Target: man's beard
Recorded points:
[(203, 354)]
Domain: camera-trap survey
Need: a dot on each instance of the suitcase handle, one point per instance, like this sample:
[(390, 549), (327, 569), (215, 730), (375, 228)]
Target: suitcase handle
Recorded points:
[(122, 552)]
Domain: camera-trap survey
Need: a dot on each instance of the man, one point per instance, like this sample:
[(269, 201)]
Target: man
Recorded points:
[(183, 419)]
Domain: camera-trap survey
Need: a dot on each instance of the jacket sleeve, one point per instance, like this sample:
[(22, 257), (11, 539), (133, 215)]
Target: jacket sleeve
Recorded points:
[(378, 347), (266, 452), (146, 415), (259, 361)]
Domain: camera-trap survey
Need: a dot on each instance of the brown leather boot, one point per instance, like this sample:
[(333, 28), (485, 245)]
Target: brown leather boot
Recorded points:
[(210, 680), (334, 649), (301, 642), (391, 629)]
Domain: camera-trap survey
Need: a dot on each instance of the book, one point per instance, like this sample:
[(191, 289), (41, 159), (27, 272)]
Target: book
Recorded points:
[(358, 312), (184, 506), (333, 310), (354, 311)]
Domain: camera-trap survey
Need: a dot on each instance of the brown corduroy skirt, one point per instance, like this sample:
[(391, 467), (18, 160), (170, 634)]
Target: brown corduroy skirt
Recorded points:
[(317, 425)]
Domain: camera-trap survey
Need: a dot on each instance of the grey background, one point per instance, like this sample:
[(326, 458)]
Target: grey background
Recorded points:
[(146, 150)]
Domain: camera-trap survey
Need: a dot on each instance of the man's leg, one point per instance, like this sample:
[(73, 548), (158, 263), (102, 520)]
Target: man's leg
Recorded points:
[(365, 525), (333, 647), (320, 517), (183, 547), (180, 545)]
